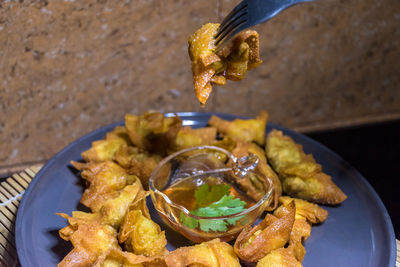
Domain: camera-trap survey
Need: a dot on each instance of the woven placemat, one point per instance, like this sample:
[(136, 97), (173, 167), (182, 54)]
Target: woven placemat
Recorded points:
[(11, 191)]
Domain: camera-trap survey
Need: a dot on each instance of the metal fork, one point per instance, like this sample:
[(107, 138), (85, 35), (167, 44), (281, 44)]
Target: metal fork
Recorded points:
[(249, 13)]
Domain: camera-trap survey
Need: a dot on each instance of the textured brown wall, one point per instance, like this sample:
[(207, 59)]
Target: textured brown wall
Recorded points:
[(68, 67)]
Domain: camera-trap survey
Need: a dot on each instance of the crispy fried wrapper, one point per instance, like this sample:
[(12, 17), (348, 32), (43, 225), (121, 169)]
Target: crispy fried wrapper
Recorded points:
[(152, 131), (117, 258), (232, 62), (243, 130), (89, 238), (188, 137), (105, 180), (300, 175), (281, 257), (313, 213), (137, 162), (113, 210), (255, 187), (306, 214), (213, 253), (105, 149), (272, 233), (141, 235)]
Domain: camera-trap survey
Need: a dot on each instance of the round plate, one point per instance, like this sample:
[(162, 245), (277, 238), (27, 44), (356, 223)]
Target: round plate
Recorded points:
[(357, 233)]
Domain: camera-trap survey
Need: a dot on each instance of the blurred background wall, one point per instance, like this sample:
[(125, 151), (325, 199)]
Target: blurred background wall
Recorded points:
[(69, 67)]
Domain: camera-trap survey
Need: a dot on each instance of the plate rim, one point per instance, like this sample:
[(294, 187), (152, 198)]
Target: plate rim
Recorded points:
[(19, 216)]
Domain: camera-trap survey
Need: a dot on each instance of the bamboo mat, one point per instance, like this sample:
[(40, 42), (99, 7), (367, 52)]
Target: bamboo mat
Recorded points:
[(11, 191)]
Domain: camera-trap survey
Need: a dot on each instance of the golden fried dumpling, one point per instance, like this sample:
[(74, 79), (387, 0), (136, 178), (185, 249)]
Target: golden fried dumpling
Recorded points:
[(89, 238), (311, 212), (205, 63), (188, 137), (242, 129), (213, 253), (103, 150), (153, 131), (105, 180), (306, 214), (141, 235), (232, 62), (272, 233), (137, 162), (281, 257), (113, 210), (118, 258), (300, 175)]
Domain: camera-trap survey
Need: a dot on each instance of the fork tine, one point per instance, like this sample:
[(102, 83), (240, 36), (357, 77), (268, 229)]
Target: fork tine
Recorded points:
[(240, 14), (240, 27), (234, 11), (230, 32)]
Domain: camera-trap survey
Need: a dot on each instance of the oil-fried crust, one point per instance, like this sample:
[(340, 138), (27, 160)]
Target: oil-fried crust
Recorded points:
[(232, 62), (300, 175), (272, 233)]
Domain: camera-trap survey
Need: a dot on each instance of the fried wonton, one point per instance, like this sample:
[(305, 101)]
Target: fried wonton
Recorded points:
[(117, 258), (89, 238), (153, 131), (113, 210), (141, 235), (272, 233), (281, 257), (137, 162), (253, 186), (213, 253), (188, 137), (300, 175), (105, 180), (306, 214), (242, 129), (103, 150), (231, 62), (304, 209)]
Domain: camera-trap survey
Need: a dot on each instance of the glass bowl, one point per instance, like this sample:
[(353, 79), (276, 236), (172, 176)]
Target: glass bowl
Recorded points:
[(174, 182)]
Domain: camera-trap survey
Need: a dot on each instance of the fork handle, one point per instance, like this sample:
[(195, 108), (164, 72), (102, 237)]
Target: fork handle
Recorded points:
[(267, 9)]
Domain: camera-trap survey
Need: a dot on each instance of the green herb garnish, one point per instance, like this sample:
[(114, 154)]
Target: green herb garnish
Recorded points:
[(204, 196), (213, 202)]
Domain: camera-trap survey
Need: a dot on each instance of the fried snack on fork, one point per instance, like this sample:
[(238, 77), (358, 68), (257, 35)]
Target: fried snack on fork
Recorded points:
[(232, 62), (300, 175)]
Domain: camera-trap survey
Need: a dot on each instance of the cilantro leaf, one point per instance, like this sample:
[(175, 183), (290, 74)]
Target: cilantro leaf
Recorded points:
[(213, 225), (188, 221), (205, 196), (228, 201), (224, 205)]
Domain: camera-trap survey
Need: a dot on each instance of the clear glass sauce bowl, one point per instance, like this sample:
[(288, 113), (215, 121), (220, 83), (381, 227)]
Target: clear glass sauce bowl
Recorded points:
[(188, 169)]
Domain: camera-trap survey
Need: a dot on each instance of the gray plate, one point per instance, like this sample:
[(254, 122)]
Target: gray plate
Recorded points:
[(357, 233)]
